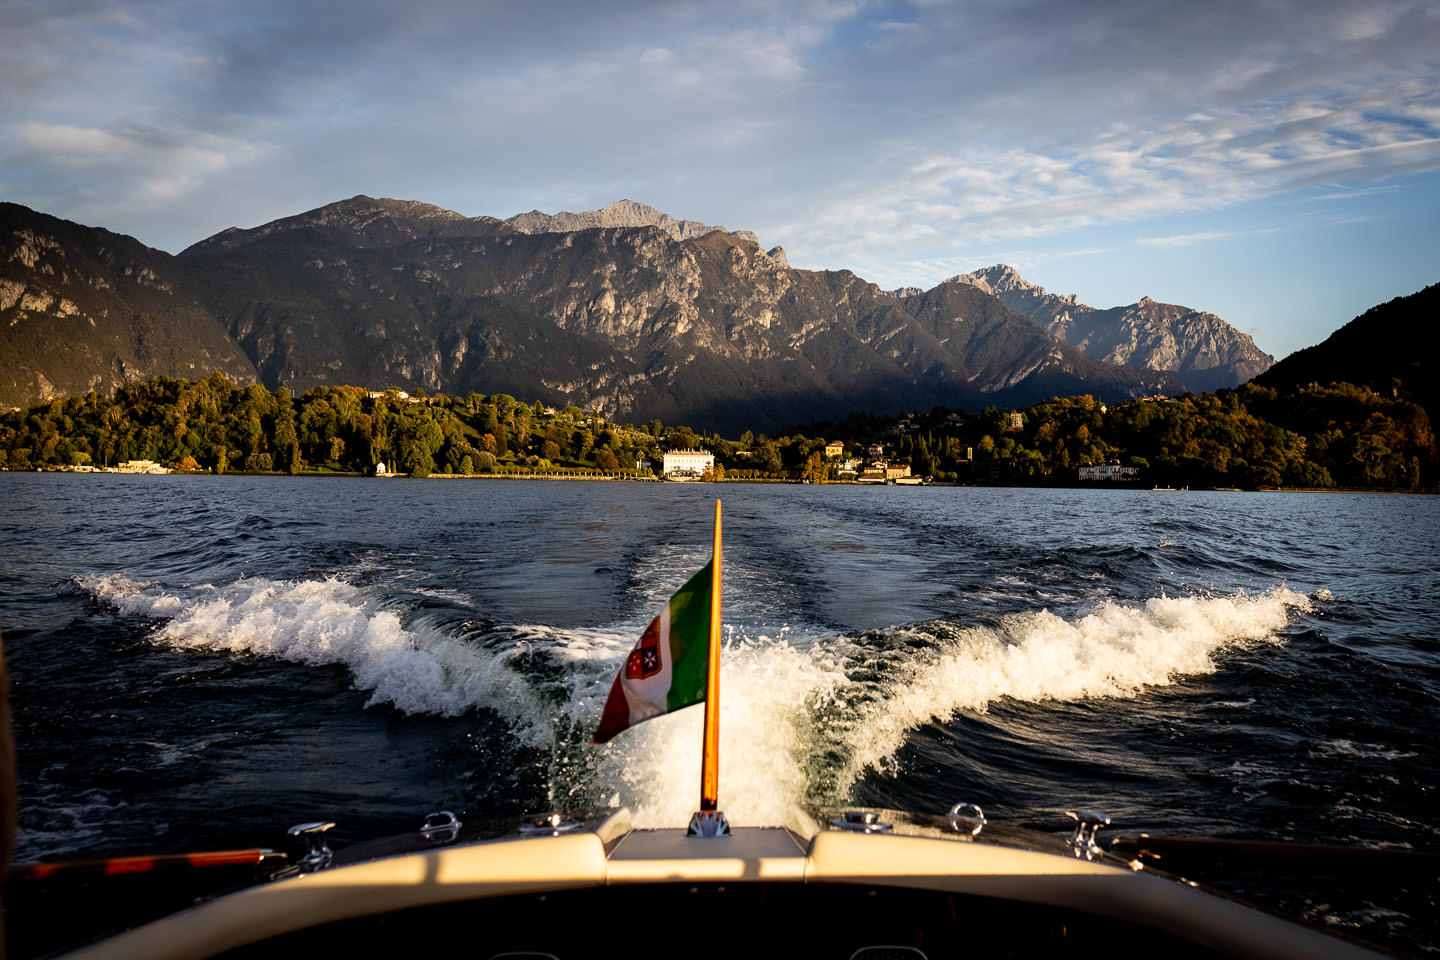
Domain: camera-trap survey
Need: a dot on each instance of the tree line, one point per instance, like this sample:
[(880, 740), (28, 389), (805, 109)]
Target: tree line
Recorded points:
[(1313, 436), (217, 425)]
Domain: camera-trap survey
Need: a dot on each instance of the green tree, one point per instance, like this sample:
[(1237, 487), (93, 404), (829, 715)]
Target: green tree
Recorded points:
[(287, 440)]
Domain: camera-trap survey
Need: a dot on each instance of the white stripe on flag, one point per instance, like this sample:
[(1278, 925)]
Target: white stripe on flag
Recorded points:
[(649, 697)]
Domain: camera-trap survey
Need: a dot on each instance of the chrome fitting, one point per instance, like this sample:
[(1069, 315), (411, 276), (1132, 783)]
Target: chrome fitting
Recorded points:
[(708, 824), (1087, 824), (966, 818), (550, 825), (318, 855), (861, 821), (442, 826)]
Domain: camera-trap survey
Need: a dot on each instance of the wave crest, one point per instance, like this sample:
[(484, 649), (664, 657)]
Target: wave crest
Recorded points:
[(805, 713), (414, 669)]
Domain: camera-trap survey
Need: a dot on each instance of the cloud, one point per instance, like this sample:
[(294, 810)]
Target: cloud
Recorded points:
[(853, 133), (144, 166), (62, 140), (986, 193), (1189, 239)]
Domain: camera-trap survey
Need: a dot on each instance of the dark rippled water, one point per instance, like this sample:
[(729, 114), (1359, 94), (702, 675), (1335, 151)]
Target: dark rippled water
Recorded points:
[(199, 662)]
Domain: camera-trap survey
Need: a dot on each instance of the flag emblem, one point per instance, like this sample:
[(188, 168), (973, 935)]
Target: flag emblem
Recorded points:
[(669, 665), (644, 661)]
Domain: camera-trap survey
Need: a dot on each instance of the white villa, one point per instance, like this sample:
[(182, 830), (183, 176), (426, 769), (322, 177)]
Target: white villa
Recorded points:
[(1108, 471), (139, 466), (687, 464)]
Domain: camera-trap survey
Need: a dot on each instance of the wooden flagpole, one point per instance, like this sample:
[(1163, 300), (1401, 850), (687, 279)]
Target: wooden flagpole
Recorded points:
[(710, 749)]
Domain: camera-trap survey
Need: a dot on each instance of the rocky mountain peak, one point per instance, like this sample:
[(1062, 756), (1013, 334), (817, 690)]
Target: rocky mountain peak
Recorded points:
[(1004, 282), (1200, 348), (621, 213), (1001, 278), (359, 222)]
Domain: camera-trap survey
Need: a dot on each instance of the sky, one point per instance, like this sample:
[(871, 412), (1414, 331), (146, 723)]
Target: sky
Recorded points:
[(1275, 162)]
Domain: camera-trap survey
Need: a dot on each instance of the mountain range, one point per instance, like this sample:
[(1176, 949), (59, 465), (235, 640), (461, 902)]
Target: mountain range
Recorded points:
[(1199, 348), (625, 310)]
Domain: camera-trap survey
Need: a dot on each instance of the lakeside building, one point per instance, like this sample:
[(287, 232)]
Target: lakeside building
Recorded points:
[(1108, 471), (139, 466), (834, 450), (399, 395), (687, 464)]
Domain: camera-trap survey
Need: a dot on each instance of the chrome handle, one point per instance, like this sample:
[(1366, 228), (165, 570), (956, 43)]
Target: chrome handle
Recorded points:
[(442, 826)]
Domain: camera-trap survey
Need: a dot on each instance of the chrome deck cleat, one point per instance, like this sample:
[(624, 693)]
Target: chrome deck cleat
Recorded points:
[(1087, 824), (861, 821), (318, 854)]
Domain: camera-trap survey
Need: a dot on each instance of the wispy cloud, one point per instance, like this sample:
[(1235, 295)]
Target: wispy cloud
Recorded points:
[(1207, 236), (986, 193), (900, 140), (1385, 189), (1185, 240)]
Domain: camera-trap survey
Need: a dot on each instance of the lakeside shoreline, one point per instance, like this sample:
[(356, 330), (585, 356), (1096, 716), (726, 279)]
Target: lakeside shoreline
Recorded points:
[(738, 480)]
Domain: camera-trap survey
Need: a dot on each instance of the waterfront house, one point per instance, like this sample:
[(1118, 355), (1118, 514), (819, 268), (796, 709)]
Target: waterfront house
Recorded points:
[(1108, 471), (687, 464)]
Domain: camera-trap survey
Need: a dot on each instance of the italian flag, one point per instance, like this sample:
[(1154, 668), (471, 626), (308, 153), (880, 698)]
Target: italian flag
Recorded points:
[(669, 665)]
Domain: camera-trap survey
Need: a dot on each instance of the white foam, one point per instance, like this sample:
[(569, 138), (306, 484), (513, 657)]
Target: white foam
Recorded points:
[(807, 711), (1114, 651), (791, 708), (316, 622), (769, 689)]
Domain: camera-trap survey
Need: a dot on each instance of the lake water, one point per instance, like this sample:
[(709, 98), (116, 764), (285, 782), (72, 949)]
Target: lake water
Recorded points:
[(200, 662)]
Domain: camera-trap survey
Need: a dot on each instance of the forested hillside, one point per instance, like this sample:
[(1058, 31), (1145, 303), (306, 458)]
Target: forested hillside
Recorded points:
[(1313, 436), (215, 424)]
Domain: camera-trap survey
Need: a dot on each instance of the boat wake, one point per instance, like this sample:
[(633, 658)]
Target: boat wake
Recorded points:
[(415, 667), (807, 710)]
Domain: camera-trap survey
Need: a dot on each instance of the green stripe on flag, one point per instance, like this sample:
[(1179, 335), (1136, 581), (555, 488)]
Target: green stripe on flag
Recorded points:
[(690, 640)]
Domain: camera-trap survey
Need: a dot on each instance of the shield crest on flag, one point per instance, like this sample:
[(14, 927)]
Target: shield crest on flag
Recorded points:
[(644, 660)]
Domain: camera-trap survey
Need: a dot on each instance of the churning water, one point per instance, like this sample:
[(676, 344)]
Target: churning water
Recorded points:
[(198, 662)]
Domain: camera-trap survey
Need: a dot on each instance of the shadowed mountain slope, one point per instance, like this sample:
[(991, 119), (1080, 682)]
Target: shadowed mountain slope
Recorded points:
[(635, 321), (1379, 349), (85, 309)]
